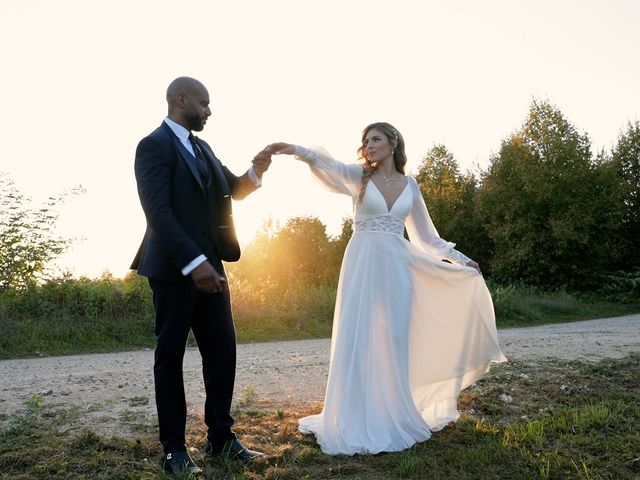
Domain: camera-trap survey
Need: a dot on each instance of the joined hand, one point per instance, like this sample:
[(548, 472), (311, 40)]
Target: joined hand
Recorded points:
[(262, 161), (282, 148)]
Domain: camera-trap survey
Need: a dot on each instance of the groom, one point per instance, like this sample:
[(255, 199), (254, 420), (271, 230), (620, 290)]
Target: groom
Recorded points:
[(186, 194)]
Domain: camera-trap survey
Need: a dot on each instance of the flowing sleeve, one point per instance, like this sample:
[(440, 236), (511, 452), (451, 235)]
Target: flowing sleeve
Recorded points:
[(422, 232), (335, 176)]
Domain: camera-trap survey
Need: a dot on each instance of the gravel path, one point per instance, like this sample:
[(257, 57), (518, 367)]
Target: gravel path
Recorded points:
[(107, 390)]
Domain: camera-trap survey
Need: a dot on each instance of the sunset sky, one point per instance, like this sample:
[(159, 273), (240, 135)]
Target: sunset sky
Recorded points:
[(83, 81)]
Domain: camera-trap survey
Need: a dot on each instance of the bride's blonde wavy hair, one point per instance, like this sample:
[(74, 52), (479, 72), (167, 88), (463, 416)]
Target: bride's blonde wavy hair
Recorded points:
[(399, 156)]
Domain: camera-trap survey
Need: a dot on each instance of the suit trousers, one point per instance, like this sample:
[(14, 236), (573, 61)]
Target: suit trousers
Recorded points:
[(179, 307)]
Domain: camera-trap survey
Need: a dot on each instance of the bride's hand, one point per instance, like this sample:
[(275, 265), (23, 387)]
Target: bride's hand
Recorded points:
[(281, 148)]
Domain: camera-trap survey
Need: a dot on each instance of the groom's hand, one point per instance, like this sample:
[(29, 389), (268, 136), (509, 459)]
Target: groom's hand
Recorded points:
[(262, 161), (207, 279)]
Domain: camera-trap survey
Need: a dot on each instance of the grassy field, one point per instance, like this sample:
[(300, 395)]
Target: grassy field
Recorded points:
[(522, 307), (106, 315), (545, 419)]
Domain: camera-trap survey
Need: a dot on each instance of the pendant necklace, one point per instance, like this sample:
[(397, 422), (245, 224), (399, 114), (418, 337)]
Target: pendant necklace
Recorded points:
[(388, 180)]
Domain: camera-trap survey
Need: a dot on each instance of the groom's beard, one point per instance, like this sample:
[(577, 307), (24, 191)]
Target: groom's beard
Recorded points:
[(195, 121)]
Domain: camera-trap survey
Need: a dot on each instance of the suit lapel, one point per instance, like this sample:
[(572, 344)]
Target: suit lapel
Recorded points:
[(216, 167), (189, 159), (192, 163)]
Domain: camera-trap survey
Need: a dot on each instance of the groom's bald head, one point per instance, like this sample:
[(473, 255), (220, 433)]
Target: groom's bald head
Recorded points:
[(184, 86), (188, 102)]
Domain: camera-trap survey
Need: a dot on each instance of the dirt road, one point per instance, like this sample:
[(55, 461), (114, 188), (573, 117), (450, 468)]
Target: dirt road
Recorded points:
[(106, 391)]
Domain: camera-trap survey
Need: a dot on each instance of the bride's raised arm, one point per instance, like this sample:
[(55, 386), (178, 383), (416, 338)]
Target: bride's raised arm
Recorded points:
[(422, 232), (334, 175)]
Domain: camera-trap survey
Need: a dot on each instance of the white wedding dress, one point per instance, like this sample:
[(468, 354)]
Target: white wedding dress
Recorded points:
[(409, 330)]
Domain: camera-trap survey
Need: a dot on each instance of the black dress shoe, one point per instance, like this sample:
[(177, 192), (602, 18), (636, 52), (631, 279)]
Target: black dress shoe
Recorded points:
[(179, 463), (235, 450)]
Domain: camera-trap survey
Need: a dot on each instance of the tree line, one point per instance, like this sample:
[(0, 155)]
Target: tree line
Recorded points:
[(546, 212)]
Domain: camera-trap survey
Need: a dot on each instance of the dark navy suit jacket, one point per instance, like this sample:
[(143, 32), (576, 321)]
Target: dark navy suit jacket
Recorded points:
[(184, 215)]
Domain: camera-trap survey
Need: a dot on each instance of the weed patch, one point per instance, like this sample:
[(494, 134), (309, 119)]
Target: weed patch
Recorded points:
[(564, 420)]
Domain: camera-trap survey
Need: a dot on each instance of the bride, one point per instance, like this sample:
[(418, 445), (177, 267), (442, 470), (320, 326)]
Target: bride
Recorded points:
[(410, 331)]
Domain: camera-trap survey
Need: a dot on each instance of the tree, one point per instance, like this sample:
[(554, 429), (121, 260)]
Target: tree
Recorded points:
[(337, 246), (297, 253), (300, 250), (548, 207), (28, 242), (625, 159), (451, 200), (440, 183), (255, 265), (467, 227)]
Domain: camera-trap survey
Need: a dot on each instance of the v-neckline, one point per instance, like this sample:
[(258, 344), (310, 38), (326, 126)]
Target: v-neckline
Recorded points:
[(389, 208)]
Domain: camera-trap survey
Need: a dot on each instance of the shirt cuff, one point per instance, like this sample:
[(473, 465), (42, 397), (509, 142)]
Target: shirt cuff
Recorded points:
[(254, 177), (193, 264)]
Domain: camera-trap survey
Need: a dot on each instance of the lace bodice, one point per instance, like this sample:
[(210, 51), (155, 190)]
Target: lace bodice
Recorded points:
[(379, 223)]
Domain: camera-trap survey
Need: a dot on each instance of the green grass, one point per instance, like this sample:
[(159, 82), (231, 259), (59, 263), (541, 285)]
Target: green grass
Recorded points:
[(57, 336), (520, 307), (567, 420), (71, 316)]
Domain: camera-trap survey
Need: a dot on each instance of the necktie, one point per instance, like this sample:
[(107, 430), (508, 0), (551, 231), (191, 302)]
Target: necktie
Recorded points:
[(202, 162)]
